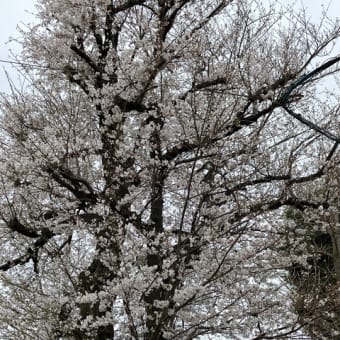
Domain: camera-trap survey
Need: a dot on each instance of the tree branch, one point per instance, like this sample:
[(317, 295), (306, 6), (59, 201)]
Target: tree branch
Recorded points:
[(31, 252)]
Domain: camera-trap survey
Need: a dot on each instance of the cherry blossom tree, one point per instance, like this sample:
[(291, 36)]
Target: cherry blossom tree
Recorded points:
[(145, 167)]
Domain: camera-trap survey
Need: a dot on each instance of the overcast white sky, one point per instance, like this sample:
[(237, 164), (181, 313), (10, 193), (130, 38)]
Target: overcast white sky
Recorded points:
[(14, 12)]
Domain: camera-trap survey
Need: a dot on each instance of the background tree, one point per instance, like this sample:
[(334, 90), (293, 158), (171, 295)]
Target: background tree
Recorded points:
[(316, 287), (144, 167), (316, 278)]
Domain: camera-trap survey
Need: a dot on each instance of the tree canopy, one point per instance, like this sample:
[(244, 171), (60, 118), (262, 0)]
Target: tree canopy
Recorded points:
[(146, 166)]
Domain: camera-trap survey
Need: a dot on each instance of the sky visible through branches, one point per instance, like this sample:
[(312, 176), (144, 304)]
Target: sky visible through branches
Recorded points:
[(18, 12)]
